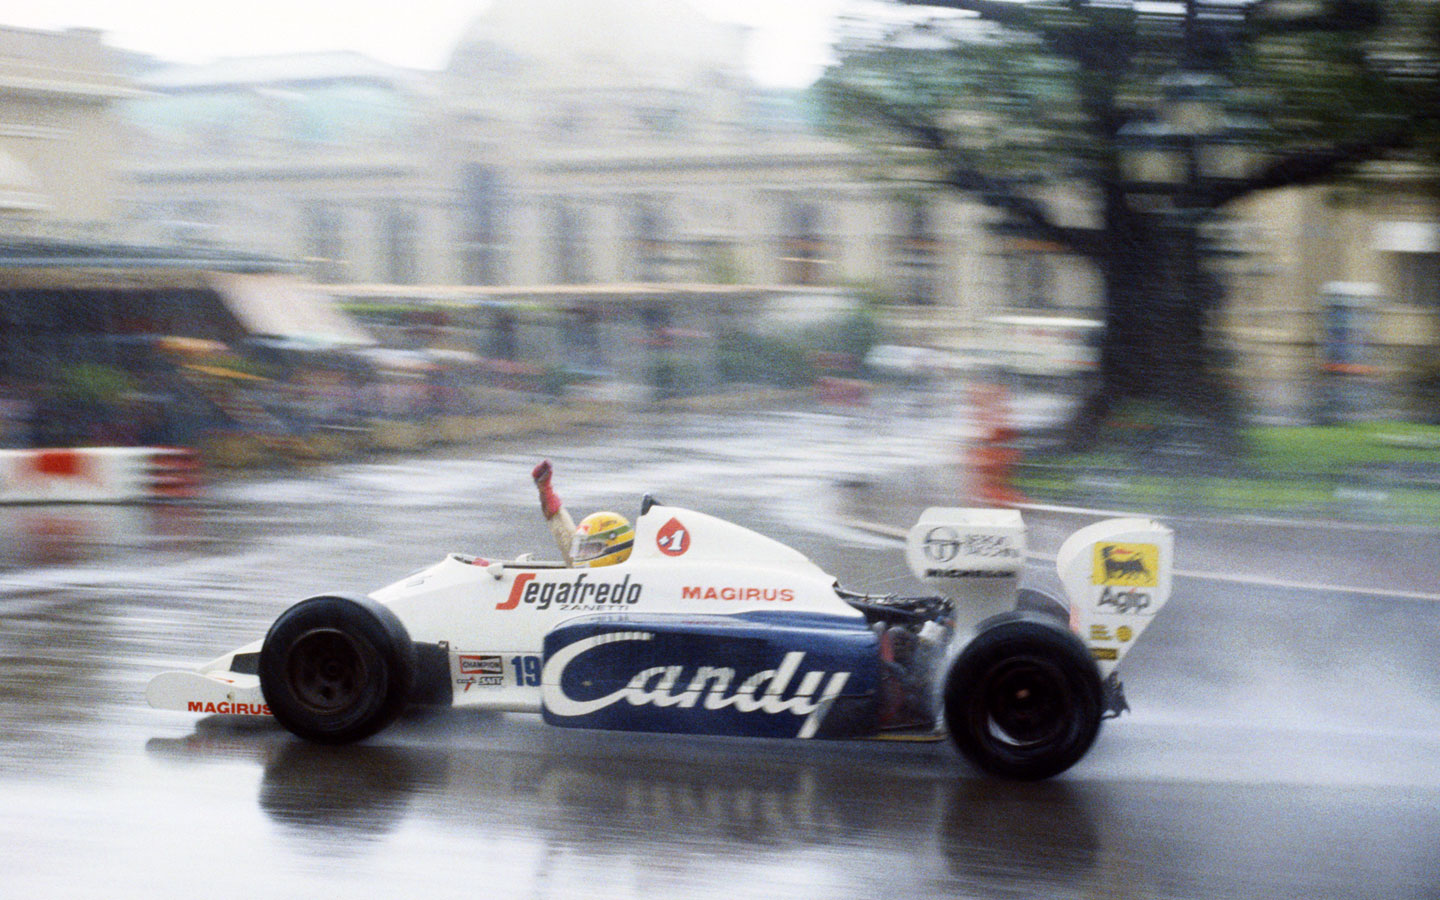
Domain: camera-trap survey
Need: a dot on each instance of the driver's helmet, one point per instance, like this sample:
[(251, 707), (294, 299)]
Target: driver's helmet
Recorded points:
[(602, 539)]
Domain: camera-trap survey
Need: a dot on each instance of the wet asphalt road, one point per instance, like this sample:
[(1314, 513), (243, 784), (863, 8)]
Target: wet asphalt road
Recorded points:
[(1285, 742)]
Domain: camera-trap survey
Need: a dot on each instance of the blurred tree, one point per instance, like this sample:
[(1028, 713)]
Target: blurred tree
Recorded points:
[(1155, 117)]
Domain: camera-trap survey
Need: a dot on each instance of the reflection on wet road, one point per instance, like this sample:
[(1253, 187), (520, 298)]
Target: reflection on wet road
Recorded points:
[(1284, 744)]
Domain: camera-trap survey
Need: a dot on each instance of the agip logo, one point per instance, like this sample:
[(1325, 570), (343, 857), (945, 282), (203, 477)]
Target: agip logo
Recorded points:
[(1126, 565)]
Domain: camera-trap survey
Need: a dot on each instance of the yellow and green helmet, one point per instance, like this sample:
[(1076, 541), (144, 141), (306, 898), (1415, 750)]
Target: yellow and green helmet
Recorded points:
[(602, 539)]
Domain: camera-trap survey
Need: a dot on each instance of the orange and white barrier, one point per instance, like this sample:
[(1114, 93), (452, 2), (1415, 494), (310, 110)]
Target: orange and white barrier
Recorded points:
[(992, 456), (96, 474)]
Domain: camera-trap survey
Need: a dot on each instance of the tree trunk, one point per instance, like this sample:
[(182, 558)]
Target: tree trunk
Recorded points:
[(1158, 359)]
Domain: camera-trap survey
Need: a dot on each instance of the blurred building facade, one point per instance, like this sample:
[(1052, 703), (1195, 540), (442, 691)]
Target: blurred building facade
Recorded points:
[(60, 131), (620, 141), (612, 142), (1375, 240)]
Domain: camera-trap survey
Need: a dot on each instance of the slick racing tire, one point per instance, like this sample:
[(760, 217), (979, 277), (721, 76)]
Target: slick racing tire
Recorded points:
[(337, 669), (1023, 700)]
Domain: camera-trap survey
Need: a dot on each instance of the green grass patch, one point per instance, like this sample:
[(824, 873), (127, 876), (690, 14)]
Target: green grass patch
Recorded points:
[(1324, 471), (1335, 448)]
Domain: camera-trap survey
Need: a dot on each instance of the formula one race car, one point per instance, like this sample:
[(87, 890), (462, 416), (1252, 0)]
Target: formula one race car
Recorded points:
[(682, 638)]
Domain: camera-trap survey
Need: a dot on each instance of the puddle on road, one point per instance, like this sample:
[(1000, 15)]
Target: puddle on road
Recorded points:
[(62, 534)]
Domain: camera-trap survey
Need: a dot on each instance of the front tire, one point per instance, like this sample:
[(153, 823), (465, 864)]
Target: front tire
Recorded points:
[(337, 669), (1023, 700)]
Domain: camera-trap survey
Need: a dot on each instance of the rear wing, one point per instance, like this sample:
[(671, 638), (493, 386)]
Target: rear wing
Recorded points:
[(973, 556), (1117, 576)]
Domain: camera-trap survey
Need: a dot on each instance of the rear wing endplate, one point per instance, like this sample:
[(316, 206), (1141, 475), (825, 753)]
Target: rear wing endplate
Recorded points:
[(1117, 575)]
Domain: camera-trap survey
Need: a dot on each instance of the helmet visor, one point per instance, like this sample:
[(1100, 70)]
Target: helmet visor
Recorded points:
[(584, 548)]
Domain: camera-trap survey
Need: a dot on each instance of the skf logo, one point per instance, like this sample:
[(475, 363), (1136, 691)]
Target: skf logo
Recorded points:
[(673, 539), (1128, 565)]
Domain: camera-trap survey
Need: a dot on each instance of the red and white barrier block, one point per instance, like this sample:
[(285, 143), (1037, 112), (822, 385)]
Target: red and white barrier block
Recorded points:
[(96, 474)]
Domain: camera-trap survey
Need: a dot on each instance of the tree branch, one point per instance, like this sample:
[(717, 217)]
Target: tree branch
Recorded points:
[(1312, 167), (1092, 47), (963, 175), (1002, 12), (1335, 17)]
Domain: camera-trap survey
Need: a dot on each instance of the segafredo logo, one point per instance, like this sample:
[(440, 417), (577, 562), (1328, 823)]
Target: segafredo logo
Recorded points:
[(578, 593), (709, 687)]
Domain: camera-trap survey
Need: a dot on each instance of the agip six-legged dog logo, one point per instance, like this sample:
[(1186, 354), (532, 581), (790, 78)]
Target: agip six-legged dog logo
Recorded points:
[(1127, 565)]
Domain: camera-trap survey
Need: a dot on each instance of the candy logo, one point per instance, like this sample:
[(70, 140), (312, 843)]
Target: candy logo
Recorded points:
[(708, 687), (673, 539)]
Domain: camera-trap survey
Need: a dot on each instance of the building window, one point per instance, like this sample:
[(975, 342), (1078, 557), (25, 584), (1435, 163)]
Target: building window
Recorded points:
[(399, 237), (917, 254), (504, 337), (650, 248), (324, 248), (571, 265), (482, 231), (1417, 279), (582, 339), (1029, 273), (802, 249)]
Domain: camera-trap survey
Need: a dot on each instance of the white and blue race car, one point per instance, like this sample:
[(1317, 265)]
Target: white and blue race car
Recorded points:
[(710, 628)]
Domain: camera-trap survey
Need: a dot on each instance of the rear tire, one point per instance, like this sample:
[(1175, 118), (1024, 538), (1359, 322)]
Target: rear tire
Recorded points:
[(337, 669), (1023, 700), (1031, 600)]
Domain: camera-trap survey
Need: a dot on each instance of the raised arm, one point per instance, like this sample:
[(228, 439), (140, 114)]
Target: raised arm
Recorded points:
[(562, 527)]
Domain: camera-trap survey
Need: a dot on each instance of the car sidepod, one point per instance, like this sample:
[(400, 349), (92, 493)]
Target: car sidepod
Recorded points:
[(759, 674)]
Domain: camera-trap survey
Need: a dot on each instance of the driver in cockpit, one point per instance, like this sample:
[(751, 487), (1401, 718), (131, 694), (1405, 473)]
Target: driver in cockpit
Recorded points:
[(601, 538)]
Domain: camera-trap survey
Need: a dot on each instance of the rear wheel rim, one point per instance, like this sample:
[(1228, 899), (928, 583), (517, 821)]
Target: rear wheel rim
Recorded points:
[(1026, 704), (327, 670)]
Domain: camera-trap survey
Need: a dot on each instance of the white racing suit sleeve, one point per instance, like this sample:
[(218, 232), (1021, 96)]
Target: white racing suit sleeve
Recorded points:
[(563, 528)]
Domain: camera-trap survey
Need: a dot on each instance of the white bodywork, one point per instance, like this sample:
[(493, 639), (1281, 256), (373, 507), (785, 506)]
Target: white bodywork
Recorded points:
[(495, 614), (491, 617)]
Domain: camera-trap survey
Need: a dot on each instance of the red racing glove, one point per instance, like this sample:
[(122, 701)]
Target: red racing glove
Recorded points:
[(549, 502)]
